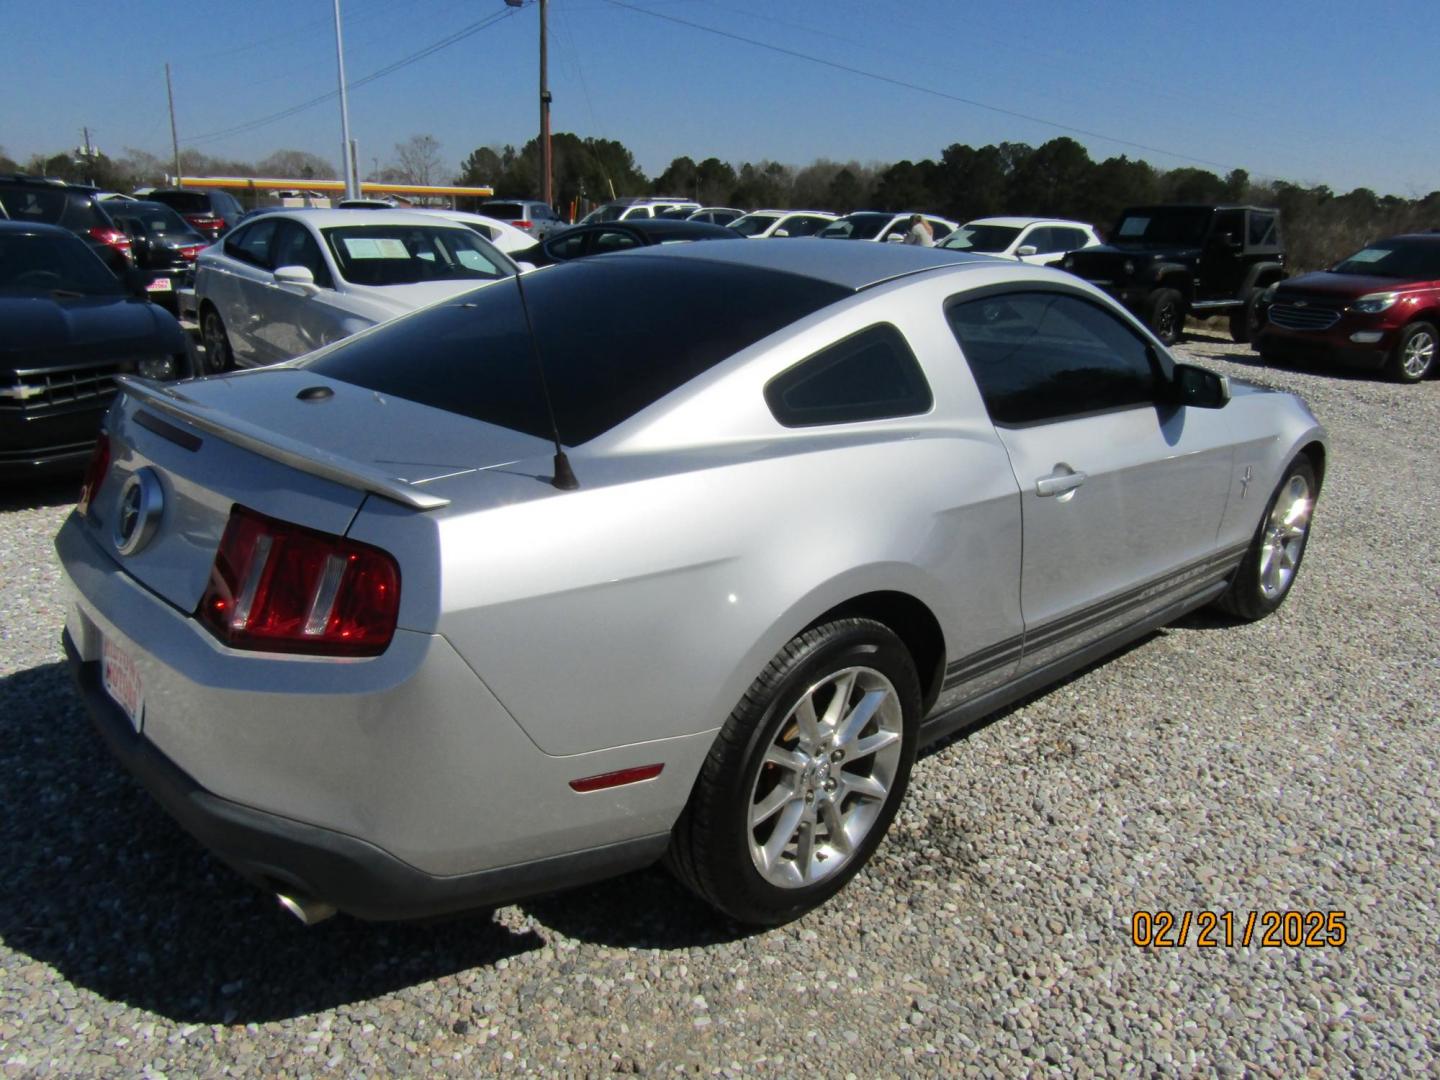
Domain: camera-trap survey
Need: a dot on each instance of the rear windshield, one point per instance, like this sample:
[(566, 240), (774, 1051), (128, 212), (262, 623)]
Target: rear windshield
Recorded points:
[(44, 205), (856, 227), (1418, 259), (187, 202), (505, 211), (754, 224), (615, 335), (153, 219)]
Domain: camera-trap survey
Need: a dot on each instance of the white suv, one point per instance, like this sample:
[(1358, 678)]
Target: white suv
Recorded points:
[(762, 223), (1041, 241), (642, 207)]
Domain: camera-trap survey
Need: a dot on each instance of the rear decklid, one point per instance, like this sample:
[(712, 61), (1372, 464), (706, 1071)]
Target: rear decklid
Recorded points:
[(288, 443)]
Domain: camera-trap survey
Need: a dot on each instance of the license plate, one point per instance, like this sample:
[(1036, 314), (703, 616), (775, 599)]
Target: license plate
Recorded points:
[(160, 284), (121, 679)]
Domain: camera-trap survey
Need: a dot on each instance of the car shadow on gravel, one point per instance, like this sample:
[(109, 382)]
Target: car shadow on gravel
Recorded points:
[(35, 494), (102, 886)]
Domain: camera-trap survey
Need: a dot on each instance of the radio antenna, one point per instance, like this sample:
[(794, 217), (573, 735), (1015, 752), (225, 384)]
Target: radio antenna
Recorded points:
[(564, 477)]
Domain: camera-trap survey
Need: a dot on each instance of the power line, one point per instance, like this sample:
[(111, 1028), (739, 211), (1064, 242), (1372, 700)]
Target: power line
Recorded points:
[(916, 86), (390, 69)]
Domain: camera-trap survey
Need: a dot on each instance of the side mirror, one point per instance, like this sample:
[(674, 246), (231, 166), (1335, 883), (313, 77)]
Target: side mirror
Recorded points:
[(1026, 249), (1198, 387), (895, 238), (781, 232), (299, 276)]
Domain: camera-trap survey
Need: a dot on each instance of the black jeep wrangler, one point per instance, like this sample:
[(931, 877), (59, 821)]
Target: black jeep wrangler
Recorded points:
[(1166, 262)]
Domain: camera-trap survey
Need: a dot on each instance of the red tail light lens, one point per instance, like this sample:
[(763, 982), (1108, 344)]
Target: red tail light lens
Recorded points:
[(114, 237), (191, 252), (280, 587), (522, 224), (95, 472)]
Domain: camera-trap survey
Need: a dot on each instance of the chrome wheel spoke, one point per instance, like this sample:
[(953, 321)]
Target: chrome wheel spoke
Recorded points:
[(805, 848), (867, 787), (859, 718), (771, 804), (806, 719), (844, 685), (785, 830), (835, 827), (790, 760), (872, 744)]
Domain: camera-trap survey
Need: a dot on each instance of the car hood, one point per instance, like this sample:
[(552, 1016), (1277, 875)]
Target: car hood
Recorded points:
[(39, 325), (1130, 251), (1341, 286)]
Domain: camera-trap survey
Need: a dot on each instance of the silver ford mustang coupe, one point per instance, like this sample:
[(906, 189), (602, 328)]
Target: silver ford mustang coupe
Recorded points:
[(674, 553)]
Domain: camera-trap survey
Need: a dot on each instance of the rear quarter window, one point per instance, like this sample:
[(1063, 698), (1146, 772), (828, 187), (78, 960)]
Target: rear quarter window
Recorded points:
[(871, 375)]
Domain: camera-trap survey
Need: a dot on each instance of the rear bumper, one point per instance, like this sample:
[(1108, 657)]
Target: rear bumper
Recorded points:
[(299, 859)]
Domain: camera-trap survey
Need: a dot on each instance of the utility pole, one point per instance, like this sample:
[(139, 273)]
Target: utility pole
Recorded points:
[(174, 139), (352, 189), (545, 170)]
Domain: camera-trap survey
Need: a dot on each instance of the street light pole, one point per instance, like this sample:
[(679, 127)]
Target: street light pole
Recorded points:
[(352, 189), (545, 169)]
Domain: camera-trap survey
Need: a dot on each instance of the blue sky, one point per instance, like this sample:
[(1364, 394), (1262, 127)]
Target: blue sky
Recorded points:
[(1315, 92)]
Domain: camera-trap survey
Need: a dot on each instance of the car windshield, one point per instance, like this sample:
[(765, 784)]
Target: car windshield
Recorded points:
[(608, 212), (33, 264), (153, 219), (187, 202), (505, 211), (1163, 226), (407, 254), (603, 364), (856, 227), (1418, 260), (982, 238), (754, 224)]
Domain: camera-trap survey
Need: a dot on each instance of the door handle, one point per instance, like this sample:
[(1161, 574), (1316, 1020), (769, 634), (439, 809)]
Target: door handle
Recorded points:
[(1060, 481)]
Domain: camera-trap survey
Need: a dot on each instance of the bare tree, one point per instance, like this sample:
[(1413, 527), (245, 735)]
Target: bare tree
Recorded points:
[(418, 159), (299, 164)]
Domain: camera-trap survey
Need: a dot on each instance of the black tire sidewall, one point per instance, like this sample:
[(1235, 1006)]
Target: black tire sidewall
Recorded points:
[(738, 885), (220, 361), (1159, 299)]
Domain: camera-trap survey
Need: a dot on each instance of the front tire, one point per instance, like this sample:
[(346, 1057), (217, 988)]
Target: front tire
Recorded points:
[(1166, 315), (1245, 321), (218, 354), (805, 777), (1414, 354), (1269, 568)]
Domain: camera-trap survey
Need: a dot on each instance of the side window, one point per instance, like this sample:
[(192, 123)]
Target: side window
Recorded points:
[(294, 246), (567, 247), (1040, 356), (806, 226), (1227, 223), (637, 211), (252, 244), (871, 375), (613, 240), (1262, 230), (1041, 239), (1068, 239)]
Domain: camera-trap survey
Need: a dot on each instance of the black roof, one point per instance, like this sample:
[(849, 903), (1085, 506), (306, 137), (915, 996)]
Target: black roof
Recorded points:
[(658, 228), (1199, 206), (31, 228)]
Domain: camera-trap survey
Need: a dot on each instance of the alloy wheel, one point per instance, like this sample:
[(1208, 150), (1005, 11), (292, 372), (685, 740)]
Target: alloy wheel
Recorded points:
[(1283, 539), (825, 778), (1419, 354)]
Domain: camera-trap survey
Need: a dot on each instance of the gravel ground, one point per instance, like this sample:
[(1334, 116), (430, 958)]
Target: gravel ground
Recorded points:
[(1291, 764)]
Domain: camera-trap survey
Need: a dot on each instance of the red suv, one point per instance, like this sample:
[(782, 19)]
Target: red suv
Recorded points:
[(1379, 307)]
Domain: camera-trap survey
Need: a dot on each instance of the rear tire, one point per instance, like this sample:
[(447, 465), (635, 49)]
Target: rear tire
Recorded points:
[(218, 354), (1165, 315), (1414, 354), (1270, 567), (805, 777)]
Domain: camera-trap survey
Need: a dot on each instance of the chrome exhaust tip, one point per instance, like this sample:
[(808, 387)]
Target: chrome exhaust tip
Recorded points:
[(307, 911)]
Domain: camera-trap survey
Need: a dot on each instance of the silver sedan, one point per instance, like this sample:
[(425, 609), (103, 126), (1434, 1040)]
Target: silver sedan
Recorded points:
[(677, 553)]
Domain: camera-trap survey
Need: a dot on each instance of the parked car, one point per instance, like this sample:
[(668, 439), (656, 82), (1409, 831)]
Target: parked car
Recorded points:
[(410, 641), (759, 224), (597, 239), (637, 207), (1041, 241), (1378, 308), (1167, 262), (211, 212), (288, 282), (35, 201), (532, 217), (164, 244), (883, 226), (502, 234), (68, 327)]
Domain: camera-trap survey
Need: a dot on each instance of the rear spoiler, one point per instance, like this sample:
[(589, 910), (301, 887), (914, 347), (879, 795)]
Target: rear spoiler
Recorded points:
[(291, 452)]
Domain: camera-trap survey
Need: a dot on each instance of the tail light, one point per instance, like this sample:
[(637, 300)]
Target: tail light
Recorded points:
[(522, 224), (191, 252), (113, 237), (94, 472), (204, 222), (280, 587)]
